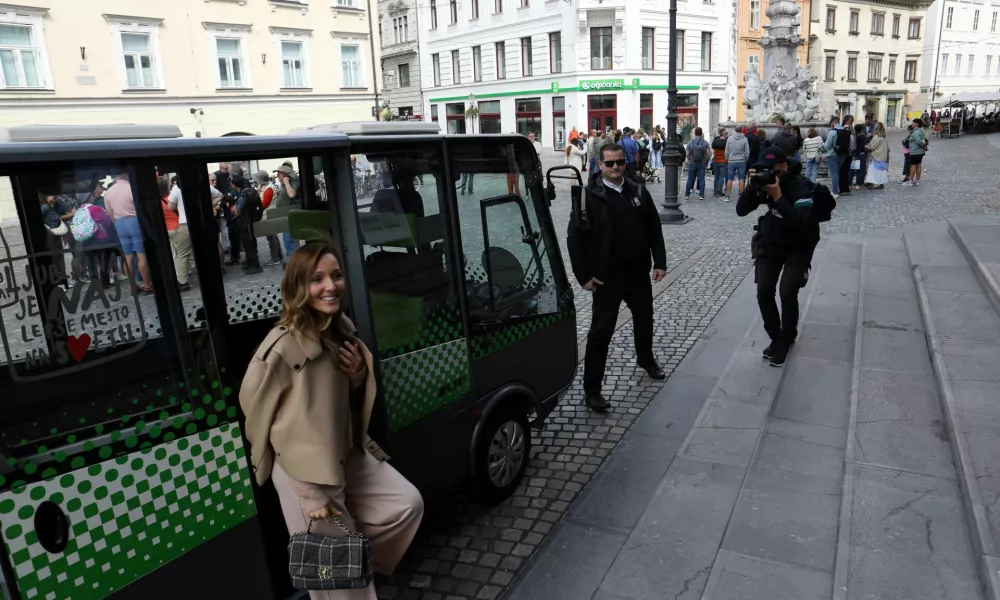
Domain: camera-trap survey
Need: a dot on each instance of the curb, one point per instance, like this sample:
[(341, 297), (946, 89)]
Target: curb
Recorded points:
[(841, 564), (975, 511), (984, 275)]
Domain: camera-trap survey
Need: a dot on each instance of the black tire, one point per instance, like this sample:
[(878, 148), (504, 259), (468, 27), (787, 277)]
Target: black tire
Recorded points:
[(505, 436)]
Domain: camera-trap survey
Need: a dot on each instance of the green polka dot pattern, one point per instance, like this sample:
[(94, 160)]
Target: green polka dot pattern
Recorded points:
[(418, 383), (436, 327), (130, 515), (484, 344)]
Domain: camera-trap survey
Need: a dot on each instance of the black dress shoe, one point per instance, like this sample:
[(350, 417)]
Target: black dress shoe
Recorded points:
[(597, 402), (654, 370), (768, 353)]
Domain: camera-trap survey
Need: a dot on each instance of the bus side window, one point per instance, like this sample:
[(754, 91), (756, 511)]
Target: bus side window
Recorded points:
[(508, 269), (415, 309)]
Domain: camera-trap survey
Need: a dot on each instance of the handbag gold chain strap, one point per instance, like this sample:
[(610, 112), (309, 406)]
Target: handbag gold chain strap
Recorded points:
[(340, 523)]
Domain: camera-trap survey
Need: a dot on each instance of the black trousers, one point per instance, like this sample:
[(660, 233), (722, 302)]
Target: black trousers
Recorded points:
[(845, 174), (274, 245), (636, 289), (248, 241), (786, 275), (235, 242)]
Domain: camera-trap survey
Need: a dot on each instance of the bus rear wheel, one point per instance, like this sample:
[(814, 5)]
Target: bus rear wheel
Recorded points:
[(502, 453)]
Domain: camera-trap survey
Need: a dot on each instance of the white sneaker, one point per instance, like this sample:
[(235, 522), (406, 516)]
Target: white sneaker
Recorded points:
[(916, 182), (835, 196), (909, 183), (726, 199)]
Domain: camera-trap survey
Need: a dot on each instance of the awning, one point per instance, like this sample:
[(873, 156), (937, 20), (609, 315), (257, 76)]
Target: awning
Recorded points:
[(970, 97)]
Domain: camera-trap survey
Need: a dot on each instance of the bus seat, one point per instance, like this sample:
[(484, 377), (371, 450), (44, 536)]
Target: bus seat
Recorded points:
[(397, 318), (409, 274), (305, 224), (503, 268), (388, 229)]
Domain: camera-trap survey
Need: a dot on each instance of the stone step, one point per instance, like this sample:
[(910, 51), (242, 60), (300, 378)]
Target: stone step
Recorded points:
[(901, 528), (962, 331), (979, 239)]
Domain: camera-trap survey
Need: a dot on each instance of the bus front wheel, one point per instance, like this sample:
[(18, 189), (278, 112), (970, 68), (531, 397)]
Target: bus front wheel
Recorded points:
[(502, 452)]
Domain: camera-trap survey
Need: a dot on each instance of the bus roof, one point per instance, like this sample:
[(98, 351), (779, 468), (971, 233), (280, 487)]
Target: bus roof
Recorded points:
[(373, 128), (77, 133)]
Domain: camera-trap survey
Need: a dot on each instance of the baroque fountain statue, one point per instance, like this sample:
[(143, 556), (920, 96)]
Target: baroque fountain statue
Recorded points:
[(786, 89)]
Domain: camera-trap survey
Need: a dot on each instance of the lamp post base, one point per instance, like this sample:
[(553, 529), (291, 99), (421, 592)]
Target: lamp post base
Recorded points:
[(672, 215)]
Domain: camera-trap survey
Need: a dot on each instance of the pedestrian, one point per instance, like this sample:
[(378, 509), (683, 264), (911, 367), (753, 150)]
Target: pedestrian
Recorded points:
[(837, 148), (612, 258), (267, 197), (845, 164), (631, 149), (287, 181), (783, 245), (657, 154), (180, 241), (593, 149), (785, 139), (753, 141), (878, 152), (869, 125), (308, 396), (698, 153), (574, 156), (812, 148), (120, 206), (918, 147), (737, 154), (573, 135), (798, 142), (720, 168), (860, 157), (242, 223), (906, 155), (535, 143)]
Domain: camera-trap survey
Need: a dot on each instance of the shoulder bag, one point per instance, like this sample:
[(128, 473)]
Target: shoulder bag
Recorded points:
[(319, 562)]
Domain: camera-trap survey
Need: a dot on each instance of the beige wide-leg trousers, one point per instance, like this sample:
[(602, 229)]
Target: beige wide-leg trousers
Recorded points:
[(376, 501)]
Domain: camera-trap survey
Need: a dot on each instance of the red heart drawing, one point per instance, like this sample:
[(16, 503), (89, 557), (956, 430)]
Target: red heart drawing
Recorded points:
[(78, 345)]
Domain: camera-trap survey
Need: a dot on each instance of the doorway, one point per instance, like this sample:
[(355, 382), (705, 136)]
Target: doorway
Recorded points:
[(602, 112), (890, 113), (559, 122), (714, 110)]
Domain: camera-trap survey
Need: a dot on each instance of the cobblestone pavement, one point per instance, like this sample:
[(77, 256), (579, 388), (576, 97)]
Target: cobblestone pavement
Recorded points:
[(469, 551)]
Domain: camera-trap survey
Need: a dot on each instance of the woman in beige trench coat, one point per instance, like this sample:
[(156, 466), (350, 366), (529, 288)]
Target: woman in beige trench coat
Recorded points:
[(308, 395)]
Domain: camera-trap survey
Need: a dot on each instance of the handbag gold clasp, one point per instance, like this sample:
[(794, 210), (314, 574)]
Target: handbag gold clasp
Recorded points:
[(325, 573)]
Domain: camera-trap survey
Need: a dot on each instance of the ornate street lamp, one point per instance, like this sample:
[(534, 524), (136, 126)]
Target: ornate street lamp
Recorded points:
[(672, 212)]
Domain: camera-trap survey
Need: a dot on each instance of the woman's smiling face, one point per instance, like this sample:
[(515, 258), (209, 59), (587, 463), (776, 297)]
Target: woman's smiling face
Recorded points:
[(327, 286)]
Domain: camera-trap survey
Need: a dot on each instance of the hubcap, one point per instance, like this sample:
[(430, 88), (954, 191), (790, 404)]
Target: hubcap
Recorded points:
[(506, 454)]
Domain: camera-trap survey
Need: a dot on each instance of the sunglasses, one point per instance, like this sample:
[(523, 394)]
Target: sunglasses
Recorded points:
[(614, 163)]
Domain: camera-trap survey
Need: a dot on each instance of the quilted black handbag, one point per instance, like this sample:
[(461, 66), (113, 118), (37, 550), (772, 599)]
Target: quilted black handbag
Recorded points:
[(319, 562)]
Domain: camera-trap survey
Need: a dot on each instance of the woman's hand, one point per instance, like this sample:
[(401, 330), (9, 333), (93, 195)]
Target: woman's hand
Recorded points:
[(324, 513), (352, 362)]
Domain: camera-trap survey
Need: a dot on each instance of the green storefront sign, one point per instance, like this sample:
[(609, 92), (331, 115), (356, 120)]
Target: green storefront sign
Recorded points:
[(598, 85)]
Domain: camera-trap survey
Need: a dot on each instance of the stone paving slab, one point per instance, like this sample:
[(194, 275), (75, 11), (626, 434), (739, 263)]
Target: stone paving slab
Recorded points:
[(744, 577)]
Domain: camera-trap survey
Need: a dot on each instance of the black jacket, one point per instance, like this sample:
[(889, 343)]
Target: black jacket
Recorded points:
[(791, 223), (590, 247), (787, 141)]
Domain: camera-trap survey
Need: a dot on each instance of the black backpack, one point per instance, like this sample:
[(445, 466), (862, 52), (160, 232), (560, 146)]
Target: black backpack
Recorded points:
[(843, 143), (253, 208), (699, 153)]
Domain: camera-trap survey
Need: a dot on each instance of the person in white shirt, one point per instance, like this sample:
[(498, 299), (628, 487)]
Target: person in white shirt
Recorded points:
[(181, 240)]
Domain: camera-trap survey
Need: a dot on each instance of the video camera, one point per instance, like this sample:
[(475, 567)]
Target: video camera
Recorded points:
[(763, 178)]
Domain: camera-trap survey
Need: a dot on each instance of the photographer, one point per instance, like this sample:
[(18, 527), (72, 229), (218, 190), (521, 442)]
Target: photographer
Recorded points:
[(783, 246)]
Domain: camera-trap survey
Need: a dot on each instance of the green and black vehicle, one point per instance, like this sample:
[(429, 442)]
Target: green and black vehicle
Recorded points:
[(124, 470)]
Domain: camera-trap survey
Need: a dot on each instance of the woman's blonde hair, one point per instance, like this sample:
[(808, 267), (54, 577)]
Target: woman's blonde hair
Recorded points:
[(299, 315), (879, 129)]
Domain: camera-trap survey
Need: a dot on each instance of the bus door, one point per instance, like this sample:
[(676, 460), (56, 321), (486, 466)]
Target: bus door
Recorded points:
[(243, 283), (406, 256), (518, 298), (122, 466)]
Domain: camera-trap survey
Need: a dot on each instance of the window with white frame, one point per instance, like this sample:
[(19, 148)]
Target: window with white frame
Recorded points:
[(753, 61), (989, 63), (910, 71), (972, 60), (895, 26), (958, 64), (878, 23), (754, 14), (456, 68), (400, 30), (500, 50), (293, 64), (22, 54), (351, 71), (944, 64), (436, 65), (998, 64), (993, 24), (852, 68), (975, 21), (404, 75), (913, 31), (140, 61), (231, 60), (477, 63), (875, 68), (950, 17), (831, 18), (892, 69), (347, 3), (831, 65), (497, 7), (453, 9)]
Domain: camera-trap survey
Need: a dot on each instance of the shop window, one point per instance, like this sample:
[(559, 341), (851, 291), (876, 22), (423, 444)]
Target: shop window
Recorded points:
[(489, 116), (646, 112), (455, 113), (559, 122), (528, 115)]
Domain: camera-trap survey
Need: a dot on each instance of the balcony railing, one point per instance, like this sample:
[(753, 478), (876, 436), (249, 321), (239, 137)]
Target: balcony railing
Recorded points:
[(600, 62)]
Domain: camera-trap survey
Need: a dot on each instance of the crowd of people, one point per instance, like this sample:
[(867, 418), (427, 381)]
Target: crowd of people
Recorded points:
[(102, 231), (856, 155), (643, 151)]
